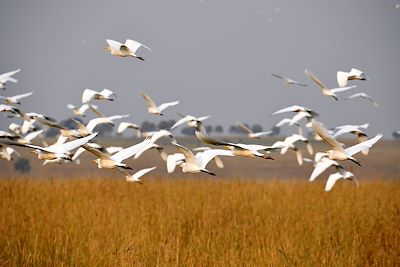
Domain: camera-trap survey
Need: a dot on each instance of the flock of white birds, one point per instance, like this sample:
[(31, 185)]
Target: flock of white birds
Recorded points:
[(71, 143)]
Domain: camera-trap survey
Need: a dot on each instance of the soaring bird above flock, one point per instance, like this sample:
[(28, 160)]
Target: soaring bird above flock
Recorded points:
[(365, 96), (354, 74), (128, 49), (153, 108), (287, 80), (105, 94), (15, 99), (324, 89), (6, 77), (337, 152)]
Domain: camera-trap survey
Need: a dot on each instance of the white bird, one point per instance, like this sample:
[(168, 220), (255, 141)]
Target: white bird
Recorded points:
[(321, 165), (6, 152), (341, 174), (198, 164), (365, 96), (325, 90), (61, 151), (301, 112), (115, 161), (251, 134), (27, 139), (191, 121), (11, 109), (128, 49), (355, 130), (15, 99), (153, 108), (349, 129), (88, 129), (217, 160), (136, 176), (82, 109), (354, 74), (155, 135), (294, 138), (123, 126), (105, 94), (337, 152), (6, 77), (288, 81), (245, 150)]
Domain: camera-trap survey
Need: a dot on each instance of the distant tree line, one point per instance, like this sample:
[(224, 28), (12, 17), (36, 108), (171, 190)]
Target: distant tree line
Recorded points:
[(148, 126)]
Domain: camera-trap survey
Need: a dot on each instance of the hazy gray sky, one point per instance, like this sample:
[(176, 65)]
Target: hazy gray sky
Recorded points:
[(214, 56)]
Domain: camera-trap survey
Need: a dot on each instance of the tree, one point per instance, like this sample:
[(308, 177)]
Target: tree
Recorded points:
[(219, 129), (103, 129), (275, 131), (148, 126), (166, 124), (257, 128), (209, 129), (188, 131), (22, 165)]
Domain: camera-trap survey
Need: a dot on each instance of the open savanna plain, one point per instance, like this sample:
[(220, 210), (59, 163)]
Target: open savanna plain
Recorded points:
[(254, 213)]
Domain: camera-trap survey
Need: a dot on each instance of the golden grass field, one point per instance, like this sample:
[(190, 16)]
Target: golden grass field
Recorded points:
[(198, 222), (254, 213)]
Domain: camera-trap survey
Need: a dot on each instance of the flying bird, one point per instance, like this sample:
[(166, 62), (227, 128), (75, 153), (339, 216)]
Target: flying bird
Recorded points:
[(123, 126), (354, 74), (137, 175), (365, 96), (325, 90), (105, 94), (341, 174), (153, 108), (196, 164), (6, 77), (337, 152), (191, 121), (15, 99), (57, 151), (301, 112), (288, 81), (128, 49)]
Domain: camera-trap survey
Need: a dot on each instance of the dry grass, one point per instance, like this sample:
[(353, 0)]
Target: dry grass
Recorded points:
[(197, 222)]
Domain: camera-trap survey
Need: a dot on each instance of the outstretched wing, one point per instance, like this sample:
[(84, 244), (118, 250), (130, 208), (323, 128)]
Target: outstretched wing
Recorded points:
[(149, 101), (114, 44), (189, 156), (322, 131), (361, 146), (342, 89), (209, 140), (245, 128), (315, 79), (207, 155), (166, 105), (320, 167)]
